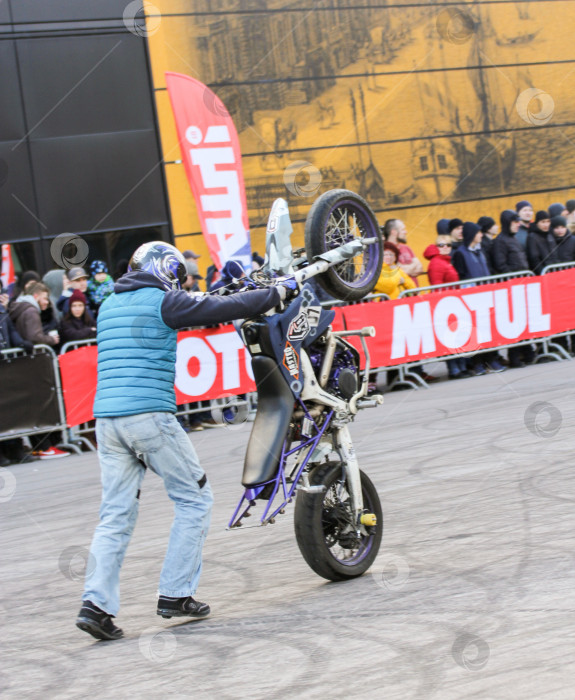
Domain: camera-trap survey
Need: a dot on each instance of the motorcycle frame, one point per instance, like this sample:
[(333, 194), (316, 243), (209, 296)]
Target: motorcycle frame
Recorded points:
[(289, 480)]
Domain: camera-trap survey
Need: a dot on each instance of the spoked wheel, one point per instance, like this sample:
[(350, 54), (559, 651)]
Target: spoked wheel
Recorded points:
[(335, 218), (325, 529)]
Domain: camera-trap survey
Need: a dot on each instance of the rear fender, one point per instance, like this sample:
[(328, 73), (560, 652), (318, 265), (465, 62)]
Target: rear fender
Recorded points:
[(273, 417)]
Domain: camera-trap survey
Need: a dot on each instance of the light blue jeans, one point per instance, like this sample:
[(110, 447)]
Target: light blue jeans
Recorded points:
[(124, 445)]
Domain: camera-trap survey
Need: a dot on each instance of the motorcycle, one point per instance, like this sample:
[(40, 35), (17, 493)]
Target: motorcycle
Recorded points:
[(310, 388)]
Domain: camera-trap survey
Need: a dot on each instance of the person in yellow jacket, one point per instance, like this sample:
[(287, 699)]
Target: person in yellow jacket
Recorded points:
[(392, 280)]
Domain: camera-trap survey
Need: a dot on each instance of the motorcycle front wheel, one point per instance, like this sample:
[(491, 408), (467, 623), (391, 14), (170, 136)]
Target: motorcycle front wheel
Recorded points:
[(325, 529), (335, 218)]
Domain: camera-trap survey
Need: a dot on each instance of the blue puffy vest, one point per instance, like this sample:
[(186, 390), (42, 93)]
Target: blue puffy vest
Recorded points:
[(136, 355)]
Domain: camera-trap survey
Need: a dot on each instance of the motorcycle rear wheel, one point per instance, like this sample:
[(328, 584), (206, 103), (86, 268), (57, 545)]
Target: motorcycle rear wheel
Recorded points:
[(337, 217), (324, 527)]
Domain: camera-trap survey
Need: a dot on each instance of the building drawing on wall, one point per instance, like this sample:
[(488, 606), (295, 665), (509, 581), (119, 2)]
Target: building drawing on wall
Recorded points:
[(376, 98)]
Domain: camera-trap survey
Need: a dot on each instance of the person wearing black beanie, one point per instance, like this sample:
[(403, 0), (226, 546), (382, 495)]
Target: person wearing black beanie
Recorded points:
[(561, 240), (468, 259), (507, 253), (442, 227), (557, 209), (470, 263), (525, 212), (562, 244), (489, 229), (538, 247), (559, 222), (486, 223), (508, 256), (455, 230)]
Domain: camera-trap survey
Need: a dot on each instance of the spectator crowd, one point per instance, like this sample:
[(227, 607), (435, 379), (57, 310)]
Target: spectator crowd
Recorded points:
[(63, 306), (467, 250)]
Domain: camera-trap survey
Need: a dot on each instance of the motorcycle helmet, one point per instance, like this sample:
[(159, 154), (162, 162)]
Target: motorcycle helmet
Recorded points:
[(163, 261)]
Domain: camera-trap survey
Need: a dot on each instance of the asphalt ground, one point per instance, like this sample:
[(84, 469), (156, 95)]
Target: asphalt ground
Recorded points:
[(472, 595)]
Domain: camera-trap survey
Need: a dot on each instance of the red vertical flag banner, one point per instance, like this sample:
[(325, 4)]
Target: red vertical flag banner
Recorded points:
[(8, 275), (212, 160)]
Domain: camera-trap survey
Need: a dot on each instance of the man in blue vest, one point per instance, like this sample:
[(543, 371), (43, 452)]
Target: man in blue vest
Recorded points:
[(136, 428)]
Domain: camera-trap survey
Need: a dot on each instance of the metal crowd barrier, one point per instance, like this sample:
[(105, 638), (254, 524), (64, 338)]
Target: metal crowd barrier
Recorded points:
[(369, 297), (463, 284), (557, 266), (14, 354)]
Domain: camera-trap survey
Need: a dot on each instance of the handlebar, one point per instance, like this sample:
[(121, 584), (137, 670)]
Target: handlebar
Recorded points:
[(367, 332)]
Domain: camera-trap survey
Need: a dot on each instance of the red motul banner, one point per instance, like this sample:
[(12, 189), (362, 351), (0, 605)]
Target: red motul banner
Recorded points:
[(210, 363), (212, 160), (466, 320), (213, 362)]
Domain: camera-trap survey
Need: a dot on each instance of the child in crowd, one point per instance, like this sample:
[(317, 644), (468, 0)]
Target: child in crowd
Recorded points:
[(100, 285)]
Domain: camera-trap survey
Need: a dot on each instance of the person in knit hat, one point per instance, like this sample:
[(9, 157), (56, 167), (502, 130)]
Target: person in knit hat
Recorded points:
[(230, 273), (489, 229), (455, 230), (442, 227), (561, 240), (557, 209), (100, 285), (525, 212), (468, 259), (509, 256), (78, 323), (507, 253), (538, 247)]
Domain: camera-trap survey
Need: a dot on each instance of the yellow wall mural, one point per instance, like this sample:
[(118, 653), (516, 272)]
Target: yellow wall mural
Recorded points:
[(428, 111)]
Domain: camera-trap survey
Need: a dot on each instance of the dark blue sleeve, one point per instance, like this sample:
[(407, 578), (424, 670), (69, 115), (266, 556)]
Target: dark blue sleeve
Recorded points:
[(15, 340), (458, 262), (180, 310), (63, 302)]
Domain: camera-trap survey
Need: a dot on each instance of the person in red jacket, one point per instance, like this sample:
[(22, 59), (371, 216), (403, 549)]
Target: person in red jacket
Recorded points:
[(440, 270)]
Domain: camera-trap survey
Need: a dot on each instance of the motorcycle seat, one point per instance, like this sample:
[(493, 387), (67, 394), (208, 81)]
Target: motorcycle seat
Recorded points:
[(275, 409)]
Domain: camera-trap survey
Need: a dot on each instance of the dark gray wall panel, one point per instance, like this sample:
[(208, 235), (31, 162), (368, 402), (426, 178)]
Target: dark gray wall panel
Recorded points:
[(51, 10), (11, 117), (82, 180), (16, 195), (85, 84), (5, 15)]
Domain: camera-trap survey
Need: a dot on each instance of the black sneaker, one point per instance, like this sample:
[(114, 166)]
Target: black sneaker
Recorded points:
[(181, 607), (97, 622)]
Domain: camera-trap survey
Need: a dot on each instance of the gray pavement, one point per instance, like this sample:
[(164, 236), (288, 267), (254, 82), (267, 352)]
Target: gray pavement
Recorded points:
[(472, 595)]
